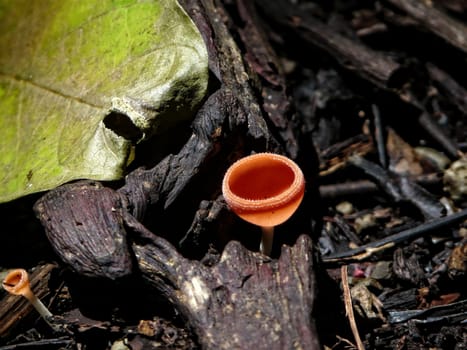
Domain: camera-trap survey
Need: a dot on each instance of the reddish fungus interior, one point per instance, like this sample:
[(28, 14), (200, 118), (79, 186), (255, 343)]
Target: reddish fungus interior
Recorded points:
[(13, 279), (261, 179)]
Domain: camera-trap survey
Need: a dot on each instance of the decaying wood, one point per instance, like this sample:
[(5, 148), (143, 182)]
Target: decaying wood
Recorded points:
[(84, 223), (272, 85), (244, 301), (440, 24), (371, 65)]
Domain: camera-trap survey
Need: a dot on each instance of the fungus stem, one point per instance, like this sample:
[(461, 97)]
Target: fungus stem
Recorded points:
[(38, 305), (266, 240)]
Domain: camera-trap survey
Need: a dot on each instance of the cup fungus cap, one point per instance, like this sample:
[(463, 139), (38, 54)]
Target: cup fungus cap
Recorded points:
[(17, 282), (264, 189)]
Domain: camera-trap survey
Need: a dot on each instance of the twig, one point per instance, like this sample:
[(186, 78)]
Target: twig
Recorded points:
[(349, 308), (346, 189), (437, 22), (361, 187), (369, 249), (427, 122), (379, 136), (63, 342), (400, 188), (449, 87), (353, 56)]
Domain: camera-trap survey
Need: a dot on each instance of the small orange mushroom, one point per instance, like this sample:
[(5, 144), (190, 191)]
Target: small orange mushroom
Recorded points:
[(17, 282), (264, 189)]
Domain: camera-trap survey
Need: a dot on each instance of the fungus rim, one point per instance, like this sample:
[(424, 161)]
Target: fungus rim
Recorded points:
[(293, 192), (21, 278)]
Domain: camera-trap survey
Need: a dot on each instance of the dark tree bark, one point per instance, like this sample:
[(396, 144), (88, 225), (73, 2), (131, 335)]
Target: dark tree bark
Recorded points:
[(245, 300)]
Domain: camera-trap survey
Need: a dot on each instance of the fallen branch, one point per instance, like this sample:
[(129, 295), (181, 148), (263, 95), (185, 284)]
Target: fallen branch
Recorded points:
[(244, 301)]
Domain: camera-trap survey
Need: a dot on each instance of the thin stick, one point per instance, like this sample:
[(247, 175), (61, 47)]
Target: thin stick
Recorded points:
[(379, 136), (365, 251), (266, 240), (349, 308)]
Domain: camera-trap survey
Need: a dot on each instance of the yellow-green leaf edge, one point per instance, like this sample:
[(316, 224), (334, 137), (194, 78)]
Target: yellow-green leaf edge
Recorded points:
[(65, 64)]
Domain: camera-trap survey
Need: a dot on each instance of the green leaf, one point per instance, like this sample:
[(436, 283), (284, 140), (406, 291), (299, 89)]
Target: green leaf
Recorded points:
[(81, 79)]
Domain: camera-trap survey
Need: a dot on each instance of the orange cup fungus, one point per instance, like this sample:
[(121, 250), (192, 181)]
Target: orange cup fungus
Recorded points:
[(17, 282), (264, 189)]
